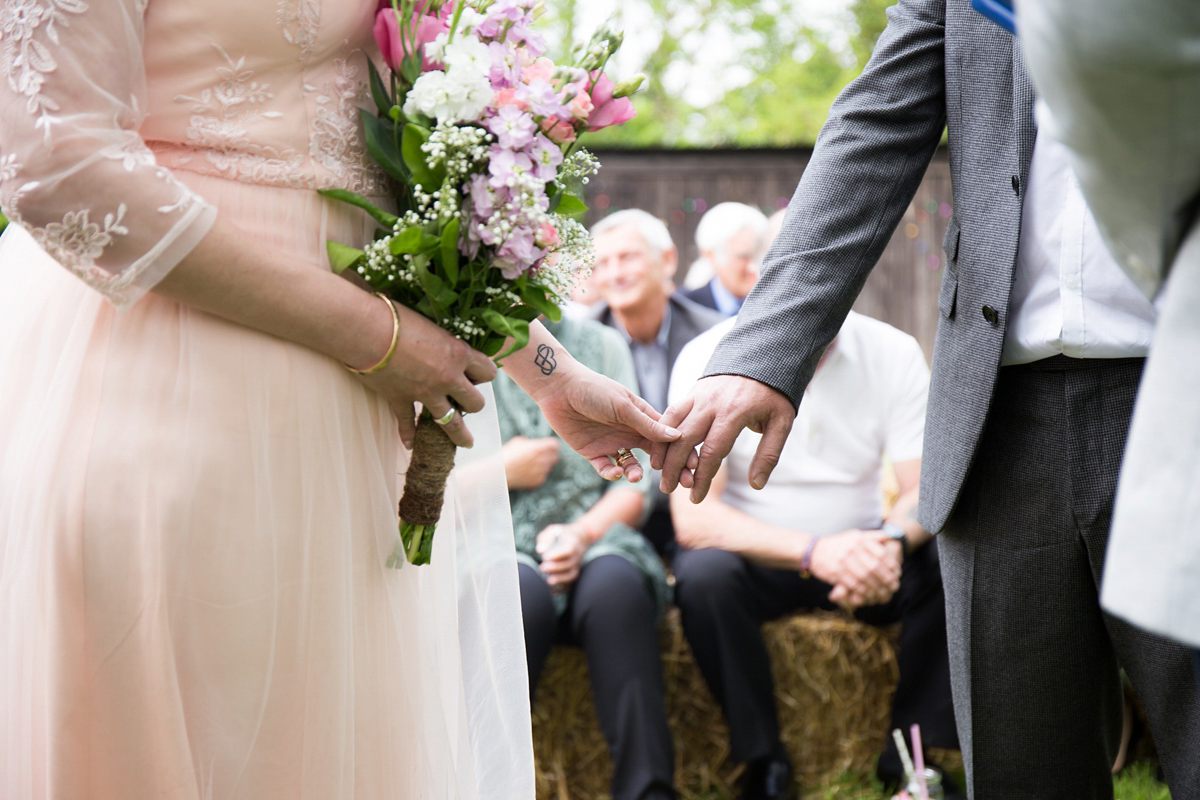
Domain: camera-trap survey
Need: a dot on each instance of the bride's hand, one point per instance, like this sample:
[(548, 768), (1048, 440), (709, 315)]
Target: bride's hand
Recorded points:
[(597, 417), (593, 414), (432, 368)]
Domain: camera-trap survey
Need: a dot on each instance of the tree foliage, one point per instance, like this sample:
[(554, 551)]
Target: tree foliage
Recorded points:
[(781, 74)]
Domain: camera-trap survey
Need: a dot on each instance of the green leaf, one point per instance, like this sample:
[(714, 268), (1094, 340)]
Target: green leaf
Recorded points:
[(434, 286), (414, 157), (341, 256), (516, 329), (381, 144), (407, 242), (450, 251), (382, 217), (410, 68), (492, 345), (536, 296), (379, 92), (569, 205)]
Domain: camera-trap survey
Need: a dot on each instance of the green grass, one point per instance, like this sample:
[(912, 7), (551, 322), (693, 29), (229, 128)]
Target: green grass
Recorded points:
[(1135, 783)]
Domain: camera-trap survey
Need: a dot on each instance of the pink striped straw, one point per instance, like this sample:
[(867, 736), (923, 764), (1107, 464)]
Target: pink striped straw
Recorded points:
[(919, 758)]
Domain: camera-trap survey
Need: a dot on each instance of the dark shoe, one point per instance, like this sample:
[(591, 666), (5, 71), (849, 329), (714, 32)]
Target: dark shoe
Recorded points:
[(768, 778)]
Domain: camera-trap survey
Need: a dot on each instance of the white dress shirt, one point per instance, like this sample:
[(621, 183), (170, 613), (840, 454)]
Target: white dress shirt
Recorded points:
[(1069, 296), (866, 399)]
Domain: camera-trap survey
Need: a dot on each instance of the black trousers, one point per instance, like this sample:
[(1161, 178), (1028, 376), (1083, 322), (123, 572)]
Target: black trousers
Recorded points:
[(724, 600), (611, 615), (1035, 660)]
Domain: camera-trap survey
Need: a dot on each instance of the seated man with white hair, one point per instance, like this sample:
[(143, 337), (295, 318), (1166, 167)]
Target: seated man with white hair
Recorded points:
[(729, 238)]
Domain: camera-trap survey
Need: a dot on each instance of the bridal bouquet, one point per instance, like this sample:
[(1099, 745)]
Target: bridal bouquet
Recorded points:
[(479, 133)]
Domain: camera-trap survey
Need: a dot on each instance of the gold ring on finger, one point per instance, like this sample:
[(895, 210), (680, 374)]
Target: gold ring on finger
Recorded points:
[(623, 456)]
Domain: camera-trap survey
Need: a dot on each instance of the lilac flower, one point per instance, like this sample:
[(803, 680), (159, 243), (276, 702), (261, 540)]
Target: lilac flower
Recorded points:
[(546, 157), (543, 99), (518, 253), (506, 66), (507, 164), (514, 128)]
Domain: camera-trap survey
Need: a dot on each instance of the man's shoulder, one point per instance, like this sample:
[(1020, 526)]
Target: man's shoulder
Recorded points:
[(876, 337), (689, 313), (701, 295)]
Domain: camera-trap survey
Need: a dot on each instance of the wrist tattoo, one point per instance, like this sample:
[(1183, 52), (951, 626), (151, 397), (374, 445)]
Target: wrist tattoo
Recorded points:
[(545, 359)]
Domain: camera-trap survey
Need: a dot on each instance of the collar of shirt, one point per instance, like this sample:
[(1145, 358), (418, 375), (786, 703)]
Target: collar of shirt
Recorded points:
[(1069, 296), (660, 340), (727, 302), (650, 361)]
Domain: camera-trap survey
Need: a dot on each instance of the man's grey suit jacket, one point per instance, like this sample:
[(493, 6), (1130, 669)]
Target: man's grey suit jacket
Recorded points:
[(938, 63)]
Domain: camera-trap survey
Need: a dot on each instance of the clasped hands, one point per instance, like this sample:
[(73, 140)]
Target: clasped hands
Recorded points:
[(862, 566)]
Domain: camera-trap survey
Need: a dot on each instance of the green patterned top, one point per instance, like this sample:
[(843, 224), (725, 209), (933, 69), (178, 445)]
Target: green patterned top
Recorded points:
[(573, 486)]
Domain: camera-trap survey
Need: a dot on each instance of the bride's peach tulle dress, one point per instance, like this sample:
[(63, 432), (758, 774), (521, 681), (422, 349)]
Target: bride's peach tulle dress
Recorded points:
[(194, 517)]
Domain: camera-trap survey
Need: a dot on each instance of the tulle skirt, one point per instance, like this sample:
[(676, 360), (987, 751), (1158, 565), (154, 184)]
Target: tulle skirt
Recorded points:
[(194, 520)]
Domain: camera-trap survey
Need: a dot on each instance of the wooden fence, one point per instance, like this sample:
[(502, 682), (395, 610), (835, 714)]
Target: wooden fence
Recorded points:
[(678, 186)]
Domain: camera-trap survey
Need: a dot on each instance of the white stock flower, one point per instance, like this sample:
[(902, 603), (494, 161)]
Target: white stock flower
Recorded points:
[(458, 95)]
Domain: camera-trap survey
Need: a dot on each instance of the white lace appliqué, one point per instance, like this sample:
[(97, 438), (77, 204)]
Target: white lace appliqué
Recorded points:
[(26, 60), (300, 20), (220, 128), (336, 140), (9, 167), (77, 241)]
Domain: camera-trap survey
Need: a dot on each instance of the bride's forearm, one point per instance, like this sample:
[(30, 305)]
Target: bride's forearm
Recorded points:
[(541, 365), (232, 275)]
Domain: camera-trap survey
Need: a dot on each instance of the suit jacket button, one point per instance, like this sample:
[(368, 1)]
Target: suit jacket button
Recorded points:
[(1016, 184), (990, 315)]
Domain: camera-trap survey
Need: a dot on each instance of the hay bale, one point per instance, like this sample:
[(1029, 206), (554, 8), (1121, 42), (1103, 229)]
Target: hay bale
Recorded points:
[(834, 679)]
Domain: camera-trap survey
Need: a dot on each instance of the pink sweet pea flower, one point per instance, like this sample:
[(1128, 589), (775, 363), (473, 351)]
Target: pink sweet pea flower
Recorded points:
[(392, 44), (541, 69), (547, 236), (582, 106), (560, 131), (508, 97), (607, 110)]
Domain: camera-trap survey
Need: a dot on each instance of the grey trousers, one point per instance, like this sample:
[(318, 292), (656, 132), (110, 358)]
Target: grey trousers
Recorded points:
[(1034, 659), (1121, 83)]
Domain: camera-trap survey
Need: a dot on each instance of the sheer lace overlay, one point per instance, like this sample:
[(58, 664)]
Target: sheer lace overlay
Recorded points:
[(260, 93), (195, 517)]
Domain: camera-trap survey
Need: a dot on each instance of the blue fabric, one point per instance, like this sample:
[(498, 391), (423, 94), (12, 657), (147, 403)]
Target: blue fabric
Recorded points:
[(999, 12)]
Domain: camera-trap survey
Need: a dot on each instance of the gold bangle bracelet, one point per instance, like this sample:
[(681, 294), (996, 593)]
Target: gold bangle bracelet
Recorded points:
[(383, 362)]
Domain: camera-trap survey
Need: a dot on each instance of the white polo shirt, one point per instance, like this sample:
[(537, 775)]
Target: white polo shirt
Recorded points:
[(867, 399)]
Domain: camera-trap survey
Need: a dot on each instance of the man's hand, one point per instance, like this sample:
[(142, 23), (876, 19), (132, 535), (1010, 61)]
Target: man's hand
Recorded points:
[(863, 566), (562, 548), (527, 462), (713, 415)]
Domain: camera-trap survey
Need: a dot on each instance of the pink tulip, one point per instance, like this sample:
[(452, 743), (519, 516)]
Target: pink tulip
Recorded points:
[(392, 44), (607, 110)]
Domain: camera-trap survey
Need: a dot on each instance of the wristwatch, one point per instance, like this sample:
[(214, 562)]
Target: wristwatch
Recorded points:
[(896, 533)]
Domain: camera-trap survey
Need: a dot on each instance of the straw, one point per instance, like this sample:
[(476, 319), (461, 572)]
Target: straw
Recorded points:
[(919, 755), (910, 771)]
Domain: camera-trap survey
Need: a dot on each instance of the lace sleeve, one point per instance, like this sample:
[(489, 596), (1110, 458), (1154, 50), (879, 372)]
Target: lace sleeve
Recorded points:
[(73, 169)]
